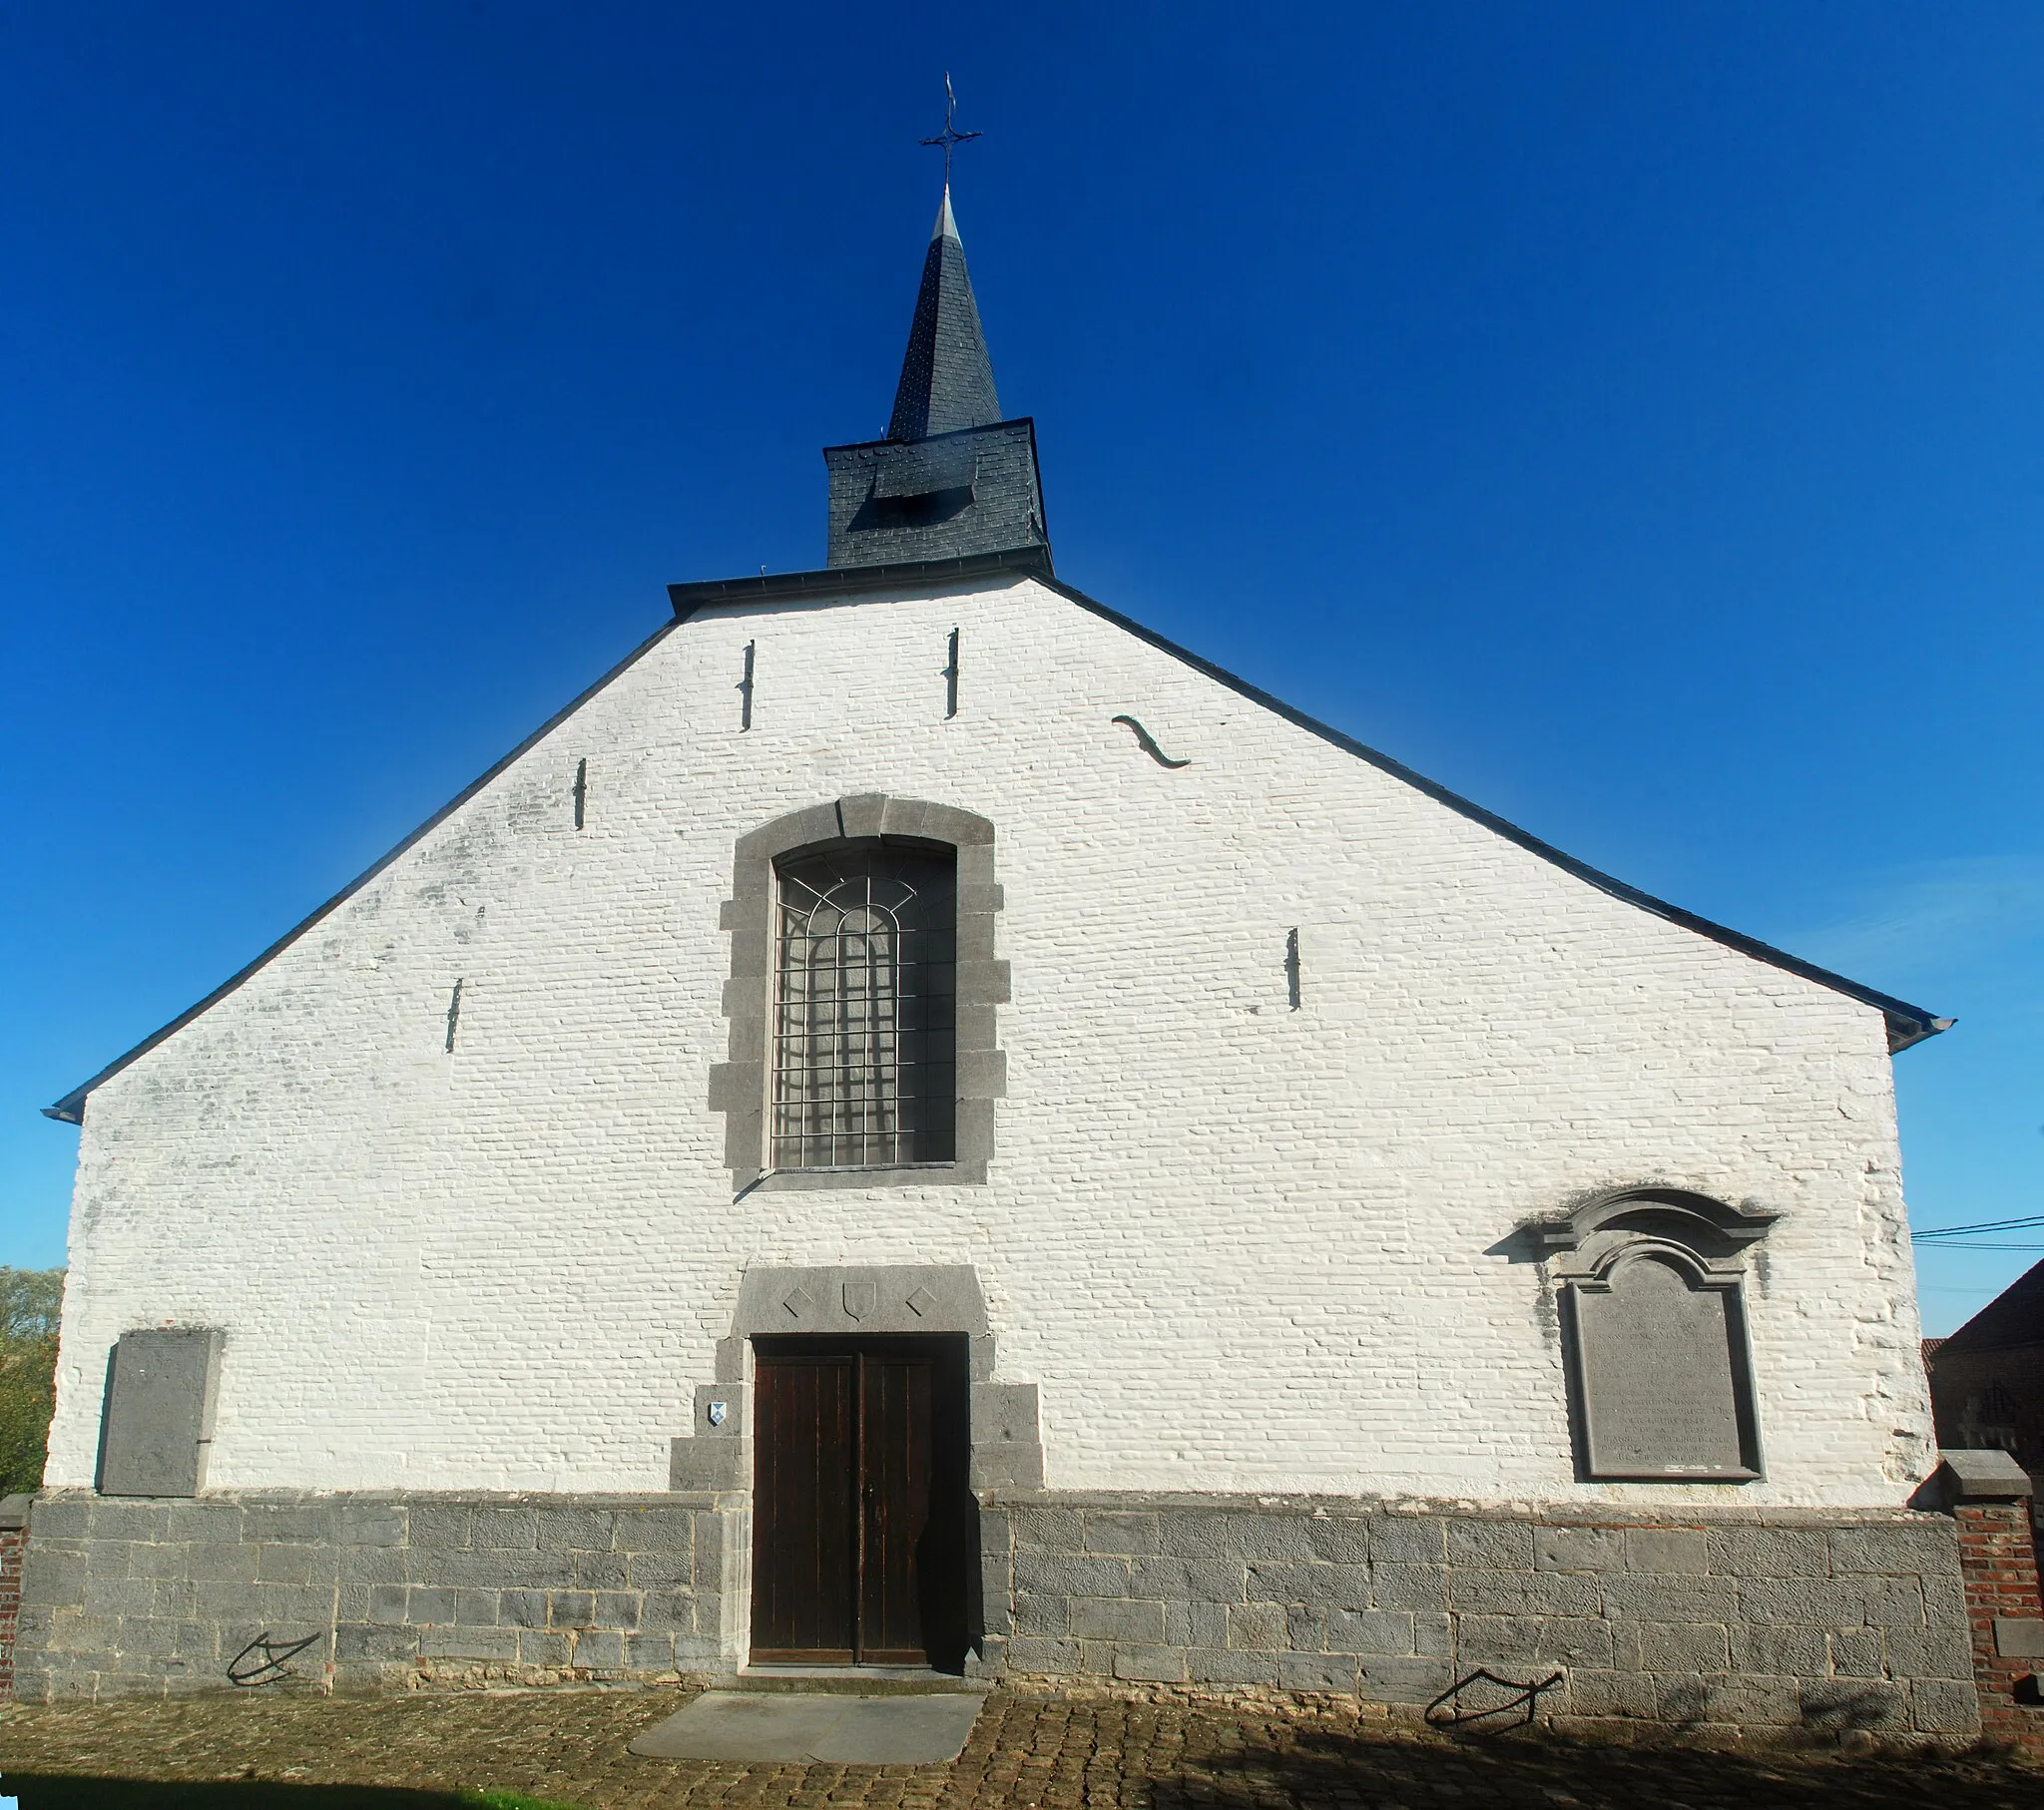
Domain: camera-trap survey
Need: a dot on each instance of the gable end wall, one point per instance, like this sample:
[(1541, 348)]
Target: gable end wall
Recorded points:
[(1235, 1246)]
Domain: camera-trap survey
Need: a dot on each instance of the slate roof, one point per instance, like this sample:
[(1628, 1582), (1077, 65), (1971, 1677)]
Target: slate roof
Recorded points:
[(951, 479), (947, 381), (2013, 1318)]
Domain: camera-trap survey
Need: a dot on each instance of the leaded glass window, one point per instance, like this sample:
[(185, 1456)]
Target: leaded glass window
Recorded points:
[(864, 1043)]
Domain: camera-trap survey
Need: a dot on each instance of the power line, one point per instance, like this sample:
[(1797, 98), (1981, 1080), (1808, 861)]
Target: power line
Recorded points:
[(1986, 1225)]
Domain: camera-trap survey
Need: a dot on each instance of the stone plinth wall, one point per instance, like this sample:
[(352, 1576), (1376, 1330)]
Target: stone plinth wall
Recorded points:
[(148, 1597), (2002, 1602), (1762, 1623), (1758, 1623)]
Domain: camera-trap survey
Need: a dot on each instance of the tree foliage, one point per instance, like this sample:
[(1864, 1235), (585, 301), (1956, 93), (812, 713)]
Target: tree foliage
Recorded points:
[(30, 1300)]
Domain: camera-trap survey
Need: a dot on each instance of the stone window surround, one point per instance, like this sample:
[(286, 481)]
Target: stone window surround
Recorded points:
[(738, 1086), (1703, 1238)]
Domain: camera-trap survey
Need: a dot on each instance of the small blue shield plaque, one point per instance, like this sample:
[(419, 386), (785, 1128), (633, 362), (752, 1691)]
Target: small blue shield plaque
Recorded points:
[(718, 1410)]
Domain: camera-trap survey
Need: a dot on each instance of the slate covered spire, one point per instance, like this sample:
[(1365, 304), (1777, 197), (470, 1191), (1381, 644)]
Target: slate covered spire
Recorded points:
[(947, 381), (952, 480)]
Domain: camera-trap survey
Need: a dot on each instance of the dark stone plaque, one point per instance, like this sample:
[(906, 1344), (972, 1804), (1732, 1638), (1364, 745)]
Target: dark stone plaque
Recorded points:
[(156, 1421), (1661, 1375)]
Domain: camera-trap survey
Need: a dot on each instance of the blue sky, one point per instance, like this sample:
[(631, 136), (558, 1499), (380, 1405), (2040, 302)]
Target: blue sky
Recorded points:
[(1630, 417)]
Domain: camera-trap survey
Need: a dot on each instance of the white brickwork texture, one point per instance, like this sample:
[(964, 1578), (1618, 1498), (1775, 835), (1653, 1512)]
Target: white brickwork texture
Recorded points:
[(1237, 1247)]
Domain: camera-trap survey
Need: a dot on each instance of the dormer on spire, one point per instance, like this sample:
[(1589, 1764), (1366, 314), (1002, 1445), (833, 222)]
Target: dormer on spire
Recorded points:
[(947, 381)]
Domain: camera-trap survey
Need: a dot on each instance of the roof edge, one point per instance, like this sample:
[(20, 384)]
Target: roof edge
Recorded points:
[(71, 1109), (949, 433), (1906, 1024), (839, 581), (2006, 1323)]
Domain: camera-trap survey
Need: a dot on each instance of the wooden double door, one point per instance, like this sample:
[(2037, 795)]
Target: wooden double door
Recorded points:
[(864, 1528)]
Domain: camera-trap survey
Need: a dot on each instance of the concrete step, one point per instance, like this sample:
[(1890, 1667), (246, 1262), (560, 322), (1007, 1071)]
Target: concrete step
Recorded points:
[(918, 1728), (856, 1681)]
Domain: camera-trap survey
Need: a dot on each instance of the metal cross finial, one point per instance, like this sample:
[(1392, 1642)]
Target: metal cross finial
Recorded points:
[(951, 137)]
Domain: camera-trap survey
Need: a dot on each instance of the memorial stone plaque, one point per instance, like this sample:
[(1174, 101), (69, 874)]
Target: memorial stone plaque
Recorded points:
[(1661, 1376), (156, 1421)]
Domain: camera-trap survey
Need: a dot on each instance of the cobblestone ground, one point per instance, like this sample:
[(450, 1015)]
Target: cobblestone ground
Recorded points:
[(1028, 1753)]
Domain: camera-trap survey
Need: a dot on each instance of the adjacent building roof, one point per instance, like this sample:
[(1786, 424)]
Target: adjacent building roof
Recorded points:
[(2013, 1318)]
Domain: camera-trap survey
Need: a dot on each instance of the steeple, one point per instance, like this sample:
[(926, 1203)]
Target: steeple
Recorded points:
[(947, 381), (952, 479)]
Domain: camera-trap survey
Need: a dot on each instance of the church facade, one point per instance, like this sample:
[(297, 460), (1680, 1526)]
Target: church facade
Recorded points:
[(918, 1124)]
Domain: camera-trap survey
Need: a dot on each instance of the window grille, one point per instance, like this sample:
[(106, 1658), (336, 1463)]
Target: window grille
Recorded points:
[(864, 1020)]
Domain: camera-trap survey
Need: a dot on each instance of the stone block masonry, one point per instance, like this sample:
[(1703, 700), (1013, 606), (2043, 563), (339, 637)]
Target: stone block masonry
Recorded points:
[(369, 1590), (1748, 1623), (1752, 1623)]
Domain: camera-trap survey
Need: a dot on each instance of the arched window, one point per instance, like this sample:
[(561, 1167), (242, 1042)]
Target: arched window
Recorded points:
[(863, 998), (864, 1010)]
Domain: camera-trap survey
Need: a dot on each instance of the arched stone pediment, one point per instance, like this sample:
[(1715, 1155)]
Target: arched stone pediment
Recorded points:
[(1660, 1374), (1709, 1234)]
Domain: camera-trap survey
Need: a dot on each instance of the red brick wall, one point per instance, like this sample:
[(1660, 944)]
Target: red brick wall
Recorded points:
[(13, 1544), (1999, 1562)]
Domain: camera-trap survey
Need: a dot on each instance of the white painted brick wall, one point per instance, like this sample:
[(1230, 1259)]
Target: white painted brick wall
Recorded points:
[(1237, 1247)]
